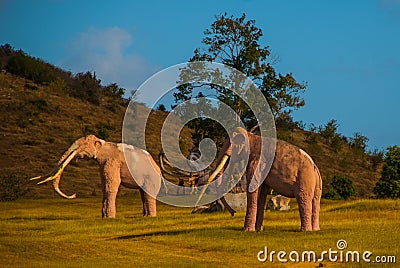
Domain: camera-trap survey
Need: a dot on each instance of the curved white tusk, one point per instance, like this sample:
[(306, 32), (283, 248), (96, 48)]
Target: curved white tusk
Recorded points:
[(212, 177), (57, 189), (60, 169), (35, 178)]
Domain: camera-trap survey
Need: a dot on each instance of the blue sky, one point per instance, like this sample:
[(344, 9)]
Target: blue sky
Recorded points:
[(346, 50)]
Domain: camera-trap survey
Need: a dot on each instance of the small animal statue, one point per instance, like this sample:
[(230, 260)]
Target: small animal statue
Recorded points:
[(278, 202)]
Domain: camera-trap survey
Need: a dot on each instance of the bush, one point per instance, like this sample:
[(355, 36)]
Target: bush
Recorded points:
[(40, 104), (388, 185), (332, 194), (341, 188), (11, 187), (102, 133), (31, 68)]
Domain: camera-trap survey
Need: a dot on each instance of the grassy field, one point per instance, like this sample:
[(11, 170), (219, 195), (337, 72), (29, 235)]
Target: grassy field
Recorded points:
[(71, 233)]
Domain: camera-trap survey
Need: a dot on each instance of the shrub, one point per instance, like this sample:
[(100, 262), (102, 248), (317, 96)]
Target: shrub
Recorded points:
[(30, 86), (341, 188), (102, 133), (40, 104), (331, 194), (29, 67), (31, 143), (11, 187)]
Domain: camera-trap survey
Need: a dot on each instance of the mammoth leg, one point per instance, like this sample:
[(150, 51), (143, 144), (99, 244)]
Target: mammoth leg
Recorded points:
[(251, 211), (149, 204), (316, 201), (315, 211), (305, 210), (262, 198), (304, 193), (110, 173), (145, 212), (252, 199)]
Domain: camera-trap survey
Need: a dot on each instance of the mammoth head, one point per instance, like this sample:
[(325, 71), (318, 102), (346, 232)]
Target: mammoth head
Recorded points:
[(240, 143), (87, 146), (84, 147)]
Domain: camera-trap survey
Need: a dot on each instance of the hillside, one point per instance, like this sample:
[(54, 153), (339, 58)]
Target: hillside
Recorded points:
[(39, 122), (361, 168)]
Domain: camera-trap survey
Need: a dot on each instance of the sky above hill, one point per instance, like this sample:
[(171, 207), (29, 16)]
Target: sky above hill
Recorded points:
[(347, 51)]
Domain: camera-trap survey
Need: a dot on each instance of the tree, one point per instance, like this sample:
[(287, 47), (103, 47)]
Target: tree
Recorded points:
[(113, 90), (161, 107), (236, 42), (88, 87), (359, 142), (202, 126), (388, 185), (329, 132)]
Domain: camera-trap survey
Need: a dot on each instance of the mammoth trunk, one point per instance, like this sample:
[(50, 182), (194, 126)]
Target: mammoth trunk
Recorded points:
[(68, 152)]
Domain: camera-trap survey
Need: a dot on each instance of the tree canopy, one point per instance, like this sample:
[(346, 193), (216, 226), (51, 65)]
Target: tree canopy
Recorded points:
[(236, 42), (389, 184)]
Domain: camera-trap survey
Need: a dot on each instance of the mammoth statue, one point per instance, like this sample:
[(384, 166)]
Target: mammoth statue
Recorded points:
[(292, 174), (115, 170)]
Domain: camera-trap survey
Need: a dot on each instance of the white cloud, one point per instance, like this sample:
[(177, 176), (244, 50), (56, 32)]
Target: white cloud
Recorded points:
[(107, 52)]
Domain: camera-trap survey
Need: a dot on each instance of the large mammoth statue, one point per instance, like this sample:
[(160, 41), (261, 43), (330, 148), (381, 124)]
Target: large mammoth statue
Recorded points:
[(293, 174), (114, 171)]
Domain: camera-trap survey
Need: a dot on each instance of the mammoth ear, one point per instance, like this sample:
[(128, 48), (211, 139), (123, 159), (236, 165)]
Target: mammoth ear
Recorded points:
[(238, 138), (240, 142)]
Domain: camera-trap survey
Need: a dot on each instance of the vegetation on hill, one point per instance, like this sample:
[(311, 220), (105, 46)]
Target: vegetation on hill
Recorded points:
[(85, 86), (41, 120)]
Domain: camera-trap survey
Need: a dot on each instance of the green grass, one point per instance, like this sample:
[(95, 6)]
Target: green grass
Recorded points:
[(71, 233)]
